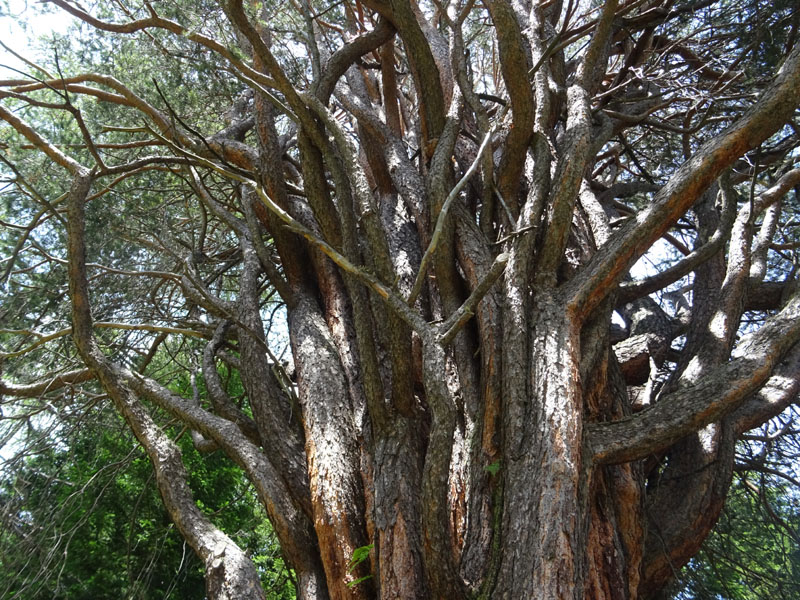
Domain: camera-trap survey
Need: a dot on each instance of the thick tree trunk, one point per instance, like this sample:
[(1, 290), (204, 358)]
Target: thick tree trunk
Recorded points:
[(336, 487), (544, 513)]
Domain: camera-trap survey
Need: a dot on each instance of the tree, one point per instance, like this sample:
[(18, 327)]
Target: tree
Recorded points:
[(447, 199), (753, 551), (81, 518)]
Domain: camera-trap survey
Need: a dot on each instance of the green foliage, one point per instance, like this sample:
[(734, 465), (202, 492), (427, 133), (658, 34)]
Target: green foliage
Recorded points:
[(84, 520), (359, 580), (754, 552), (359, 556), (493, 468)]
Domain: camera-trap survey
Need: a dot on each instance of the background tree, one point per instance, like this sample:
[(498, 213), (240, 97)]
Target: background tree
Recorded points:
[(81, 517), (753, 551), (446, 199)]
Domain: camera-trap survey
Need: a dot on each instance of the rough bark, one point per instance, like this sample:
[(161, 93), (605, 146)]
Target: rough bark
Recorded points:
[(229, 573)]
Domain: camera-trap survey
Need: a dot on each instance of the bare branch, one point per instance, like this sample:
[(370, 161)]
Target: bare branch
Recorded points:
[(689, 408)]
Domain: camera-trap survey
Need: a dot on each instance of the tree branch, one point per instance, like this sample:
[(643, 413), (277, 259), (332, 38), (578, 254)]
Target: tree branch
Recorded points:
[(775, 107), (689, 408)]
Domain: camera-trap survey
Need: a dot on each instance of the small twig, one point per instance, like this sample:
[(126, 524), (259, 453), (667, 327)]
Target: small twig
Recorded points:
[(459, 318), (440, 222)]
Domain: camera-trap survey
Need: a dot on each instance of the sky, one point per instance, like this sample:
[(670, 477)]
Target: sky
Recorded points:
[(21, 23)]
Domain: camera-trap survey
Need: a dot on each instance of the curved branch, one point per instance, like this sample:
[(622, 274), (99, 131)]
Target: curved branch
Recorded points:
[(345, 56), (45, 385), (515, 67), (689, 408), (779, 392), (775, 107), (630, 290), (422, 62), (230, 574)]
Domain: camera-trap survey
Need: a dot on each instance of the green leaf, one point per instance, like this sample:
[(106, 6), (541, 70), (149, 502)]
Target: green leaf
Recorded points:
[(359, 555), (359, 580), (493, 468)]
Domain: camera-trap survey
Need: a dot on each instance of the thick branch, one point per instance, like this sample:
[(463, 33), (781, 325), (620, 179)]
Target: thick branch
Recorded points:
[(230, 574), (779, 392), (46, 385), (515, 67), (689, 408), (345, 56), (775, 107)]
